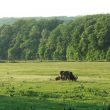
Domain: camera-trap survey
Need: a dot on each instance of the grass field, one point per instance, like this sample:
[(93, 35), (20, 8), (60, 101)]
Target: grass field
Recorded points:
[(31, 86)]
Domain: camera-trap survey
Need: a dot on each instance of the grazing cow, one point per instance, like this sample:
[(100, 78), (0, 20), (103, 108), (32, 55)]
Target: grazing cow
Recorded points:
[(57, 78), (67, 75), (72, 77), (62, 74)]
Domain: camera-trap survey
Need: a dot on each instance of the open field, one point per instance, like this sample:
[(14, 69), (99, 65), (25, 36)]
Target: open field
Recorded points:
[(31, 86)]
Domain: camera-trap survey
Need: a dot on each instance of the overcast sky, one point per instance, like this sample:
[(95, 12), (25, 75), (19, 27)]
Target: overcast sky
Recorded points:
[(35, 8)]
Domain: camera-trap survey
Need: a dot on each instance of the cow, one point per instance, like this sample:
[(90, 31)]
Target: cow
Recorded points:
[(72, 77), (57, 78), (67, 75)]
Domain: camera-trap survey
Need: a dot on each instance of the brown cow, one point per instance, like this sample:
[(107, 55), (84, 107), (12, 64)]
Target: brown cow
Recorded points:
[(67, 75), (57, 78)]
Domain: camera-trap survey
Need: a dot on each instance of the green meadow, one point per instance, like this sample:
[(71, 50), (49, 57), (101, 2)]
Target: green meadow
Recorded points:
[(32, 86)]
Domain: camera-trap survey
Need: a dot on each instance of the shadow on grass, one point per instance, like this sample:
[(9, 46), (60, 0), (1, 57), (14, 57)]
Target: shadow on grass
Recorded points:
[(27, 103), (31, 103)]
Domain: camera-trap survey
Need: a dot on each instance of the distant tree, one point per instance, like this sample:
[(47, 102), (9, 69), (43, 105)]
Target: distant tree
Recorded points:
[(108, 55), (83, 38)]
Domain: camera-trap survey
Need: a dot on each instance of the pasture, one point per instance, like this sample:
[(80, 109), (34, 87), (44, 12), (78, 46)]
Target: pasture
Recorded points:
[(32, 86)]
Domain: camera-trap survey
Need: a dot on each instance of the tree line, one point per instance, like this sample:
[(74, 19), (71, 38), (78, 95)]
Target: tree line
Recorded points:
[(85, 38)]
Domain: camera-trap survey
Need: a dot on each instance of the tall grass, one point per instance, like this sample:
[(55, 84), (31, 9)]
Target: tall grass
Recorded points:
[(32, 86)]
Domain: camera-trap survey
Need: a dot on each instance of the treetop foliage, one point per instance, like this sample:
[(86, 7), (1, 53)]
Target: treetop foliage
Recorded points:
[(85, 38)]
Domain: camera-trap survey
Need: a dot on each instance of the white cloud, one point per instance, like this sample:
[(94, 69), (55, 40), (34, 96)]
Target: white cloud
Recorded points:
[(22, 8)]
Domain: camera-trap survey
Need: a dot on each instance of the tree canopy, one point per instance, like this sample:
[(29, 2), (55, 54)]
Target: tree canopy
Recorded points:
[(85, 38)]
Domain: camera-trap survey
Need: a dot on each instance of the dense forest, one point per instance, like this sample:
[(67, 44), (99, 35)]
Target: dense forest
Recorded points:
[(84, 38)]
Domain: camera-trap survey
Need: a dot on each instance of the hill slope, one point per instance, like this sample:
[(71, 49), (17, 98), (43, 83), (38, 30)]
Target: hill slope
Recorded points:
[(12, 20)]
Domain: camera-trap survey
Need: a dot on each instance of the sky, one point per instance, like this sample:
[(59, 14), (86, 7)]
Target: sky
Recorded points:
[(45, 8)]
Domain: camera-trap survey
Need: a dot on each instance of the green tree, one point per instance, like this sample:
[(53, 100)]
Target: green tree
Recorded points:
[(108, 55)]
